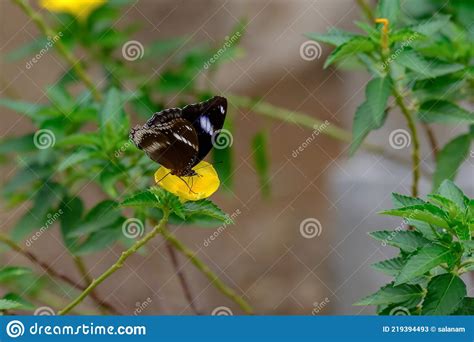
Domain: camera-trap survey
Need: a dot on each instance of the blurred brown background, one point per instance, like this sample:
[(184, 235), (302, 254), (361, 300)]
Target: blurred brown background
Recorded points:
[(264, 256)]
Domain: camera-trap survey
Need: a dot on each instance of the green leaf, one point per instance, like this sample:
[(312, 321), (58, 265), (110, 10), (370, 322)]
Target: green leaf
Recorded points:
[(72, 209), (113, 120), (6, 304), (427, 212), (466, 308), (389, 9), (423, 261), (102, 215), (11, 272), (73, 159), (350, 48), (390, 267), (79, 139), (25, 305), (407, 241), (446, 112), (167, 199), (391, 294), (141, 199), (371, 113), (205, 211), (60, 98), (334, 36), (261, 162), (445, 294), (450, 191), (27, 50), (432, 25), (99, 240), (425, 68), (20, 144), (400, 200), (25, 108)]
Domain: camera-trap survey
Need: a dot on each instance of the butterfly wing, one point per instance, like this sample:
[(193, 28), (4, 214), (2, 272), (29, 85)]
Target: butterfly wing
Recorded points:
[(171, 142), (207, 119)]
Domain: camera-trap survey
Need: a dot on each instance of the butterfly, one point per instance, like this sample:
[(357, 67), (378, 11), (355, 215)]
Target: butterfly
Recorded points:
[(179, 138)]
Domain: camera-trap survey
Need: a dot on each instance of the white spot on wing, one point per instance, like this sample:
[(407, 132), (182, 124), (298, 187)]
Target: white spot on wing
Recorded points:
[(222, 109), (206, 125)]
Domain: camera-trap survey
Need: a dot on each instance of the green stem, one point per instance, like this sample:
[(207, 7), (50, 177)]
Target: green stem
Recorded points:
[(415, 142), (119, 263), (330, 129), (81, 267), (73, 62), (367, 10), (224, 289)]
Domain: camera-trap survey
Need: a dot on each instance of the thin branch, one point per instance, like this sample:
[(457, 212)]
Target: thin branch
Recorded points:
[(73, 62), (182, 279), (81, 267), (414, 136), (53, 273), (432, 139), (215, 280), (294, 117), (366, 9), (118, 264)]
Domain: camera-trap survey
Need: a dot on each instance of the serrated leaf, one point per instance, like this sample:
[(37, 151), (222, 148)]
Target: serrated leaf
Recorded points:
[(261, 162), (445, 112), (427, 212), (407, 241), (6, 304), (450, 191), (423, 261), (333, 36), (205, 210), (25, 305), (371, 113), (350, 48), (425, 68), (390, 267), (431, 26), (99, 240), (444, 295), (141, 199), (391, 294), (167, 199), (400, 200)]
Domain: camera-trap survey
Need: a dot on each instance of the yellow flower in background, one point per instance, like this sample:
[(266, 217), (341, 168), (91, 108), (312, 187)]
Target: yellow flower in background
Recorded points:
[(78, 8), (193, 188)]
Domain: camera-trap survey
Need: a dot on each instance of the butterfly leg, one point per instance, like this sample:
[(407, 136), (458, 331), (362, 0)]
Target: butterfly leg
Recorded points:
[(190, 188)]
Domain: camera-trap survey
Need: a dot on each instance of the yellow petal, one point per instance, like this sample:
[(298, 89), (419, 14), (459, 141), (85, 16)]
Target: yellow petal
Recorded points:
[(79, 8), (194, 188)]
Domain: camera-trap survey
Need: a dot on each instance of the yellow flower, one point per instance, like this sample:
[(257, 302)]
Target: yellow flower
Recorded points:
[(193, 188), (79, 8)]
